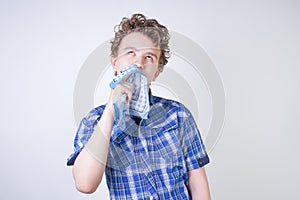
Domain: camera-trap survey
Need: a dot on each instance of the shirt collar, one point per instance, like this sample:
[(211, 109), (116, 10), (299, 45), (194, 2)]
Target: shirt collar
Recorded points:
[(151, 99)]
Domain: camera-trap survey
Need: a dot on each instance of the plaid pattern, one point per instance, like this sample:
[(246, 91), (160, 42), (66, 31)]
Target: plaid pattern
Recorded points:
[(151, 158)]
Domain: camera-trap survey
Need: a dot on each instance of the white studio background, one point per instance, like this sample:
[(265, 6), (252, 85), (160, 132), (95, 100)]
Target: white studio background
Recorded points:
[(253, 44)]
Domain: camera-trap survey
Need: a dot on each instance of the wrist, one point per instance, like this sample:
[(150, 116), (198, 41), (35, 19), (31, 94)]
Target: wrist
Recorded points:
[(109, 109)]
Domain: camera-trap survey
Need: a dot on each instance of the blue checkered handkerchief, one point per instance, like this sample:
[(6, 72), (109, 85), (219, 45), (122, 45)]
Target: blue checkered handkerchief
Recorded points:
[(139, 105)]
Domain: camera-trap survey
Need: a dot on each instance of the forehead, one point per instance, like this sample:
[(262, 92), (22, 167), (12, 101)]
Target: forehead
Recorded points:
[(138, 41)]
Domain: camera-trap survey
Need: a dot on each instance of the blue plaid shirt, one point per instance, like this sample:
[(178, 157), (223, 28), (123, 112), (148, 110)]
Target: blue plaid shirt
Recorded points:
[(151, 158)]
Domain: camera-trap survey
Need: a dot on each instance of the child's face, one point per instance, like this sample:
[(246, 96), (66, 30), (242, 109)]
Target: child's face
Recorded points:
[(138, 49)]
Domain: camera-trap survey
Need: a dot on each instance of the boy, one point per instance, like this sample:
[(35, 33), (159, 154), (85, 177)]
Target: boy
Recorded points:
[(161, 157)]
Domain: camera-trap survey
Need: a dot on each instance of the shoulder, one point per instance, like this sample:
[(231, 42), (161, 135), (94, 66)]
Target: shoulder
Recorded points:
[(93, 115), (173, 107)]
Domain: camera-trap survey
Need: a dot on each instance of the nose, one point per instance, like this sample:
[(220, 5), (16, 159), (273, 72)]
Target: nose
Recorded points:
[(139, 65), (139, 61)]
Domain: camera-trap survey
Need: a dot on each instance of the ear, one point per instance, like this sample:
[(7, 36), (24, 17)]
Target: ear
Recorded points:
[(113, 62)]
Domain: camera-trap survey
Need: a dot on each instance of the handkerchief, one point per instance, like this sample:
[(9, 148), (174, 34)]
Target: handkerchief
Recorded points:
[(139, 105)]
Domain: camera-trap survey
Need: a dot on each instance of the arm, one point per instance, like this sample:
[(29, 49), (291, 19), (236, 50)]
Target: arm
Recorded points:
[(89, 165), (198, 184), (87, 170)]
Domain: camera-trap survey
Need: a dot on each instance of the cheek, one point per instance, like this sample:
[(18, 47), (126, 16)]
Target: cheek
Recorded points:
[(121, 64), (150, 76)]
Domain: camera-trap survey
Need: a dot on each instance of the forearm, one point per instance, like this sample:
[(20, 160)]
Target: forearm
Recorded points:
[(198, 185), (201, 193), (89, 166)]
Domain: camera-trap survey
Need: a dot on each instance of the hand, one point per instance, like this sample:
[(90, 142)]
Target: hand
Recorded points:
[(121, 89)]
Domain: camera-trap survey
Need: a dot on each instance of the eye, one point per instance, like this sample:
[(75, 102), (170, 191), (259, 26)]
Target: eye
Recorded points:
[(131, 52), (149, 57)]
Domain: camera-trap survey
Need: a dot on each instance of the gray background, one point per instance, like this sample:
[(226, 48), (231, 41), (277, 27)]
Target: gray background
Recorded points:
[(254, 45)]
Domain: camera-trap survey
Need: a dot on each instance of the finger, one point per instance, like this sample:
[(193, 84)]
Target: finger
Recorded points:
[(125, 89), (128, 92), (127, 85), (129, 96)]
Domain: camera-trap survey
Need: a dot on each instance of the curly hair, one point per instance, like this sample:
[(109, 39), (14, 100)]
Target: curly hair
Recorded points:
[(158, 33)]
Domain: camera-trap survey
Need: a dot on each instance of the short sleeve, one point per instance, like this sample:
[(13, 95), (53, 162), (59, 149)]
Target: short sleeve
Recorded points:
[(84, 132), (194, 150)]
